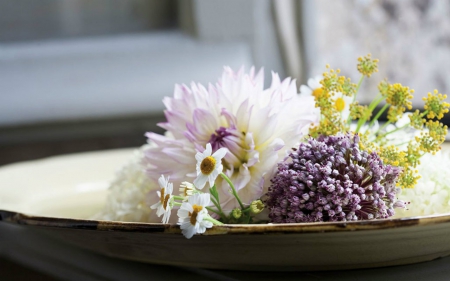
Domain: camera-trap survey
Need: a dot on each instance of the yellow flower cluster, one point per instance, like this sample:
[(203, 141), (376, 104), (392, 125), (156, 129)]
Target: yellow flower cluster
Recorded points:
[(366, 65), (332, 83), (358, 111), (397, 100), (399, 97), (435, 105)]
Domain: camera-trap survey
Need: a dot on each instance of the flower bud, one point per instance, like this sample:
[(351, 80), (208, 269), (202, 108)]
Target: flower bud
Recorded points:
[(257, 207), (236, 213)]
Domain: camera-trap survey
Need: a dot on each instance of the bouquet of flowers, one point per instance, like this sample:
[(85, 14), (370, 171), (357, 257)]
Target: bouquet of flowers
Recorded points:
[(238, 153)]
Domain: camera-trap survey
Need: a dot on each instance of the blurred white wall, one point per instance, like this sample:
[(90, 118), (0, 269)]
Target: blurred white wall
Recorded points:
[(87, 59)]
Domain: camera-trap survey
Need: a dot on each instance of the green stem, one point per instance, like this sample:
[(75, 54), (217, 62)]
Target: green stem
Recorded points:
[(216, 212), (216, 222), (227, 179), (220, 212), (349, 119), (383, 109), (393, 131), (178, 197), (177, 203), (357, 87), (372, 106)]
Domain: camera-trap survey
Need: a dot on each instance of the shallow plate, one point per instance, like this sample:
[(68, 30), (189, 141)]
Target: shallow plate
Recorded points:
[(59, 193)]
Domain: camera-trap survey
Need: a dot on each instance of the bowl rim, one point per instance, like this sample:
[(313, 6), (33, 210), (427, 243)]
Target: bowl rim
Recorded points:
[(285, 228)]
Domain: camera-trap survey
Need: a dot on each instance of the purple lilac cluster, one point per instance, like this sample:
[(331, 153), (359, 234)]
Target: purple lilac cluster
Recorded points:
[(331, 179)]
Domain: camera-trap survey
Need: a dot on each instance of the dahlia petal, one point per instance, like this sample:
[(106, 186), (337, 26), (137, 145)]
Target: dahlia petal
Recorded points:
[(204, 123), (253, 158), (277, 144), (178, 155), (231, 119), (275, 81)]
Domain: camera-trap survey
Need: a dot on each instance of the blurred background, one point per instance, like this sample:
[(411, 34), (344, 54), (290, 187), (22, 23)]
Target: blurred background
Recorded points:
[(81, 75), (84, 75)]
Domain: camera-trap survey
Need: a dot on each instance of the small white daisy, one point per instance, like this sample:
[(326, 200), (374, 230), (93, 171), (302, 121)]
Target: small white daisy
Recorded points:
[(314, 88), (165, 194), (341, 102), (208, 166), (187, 189), (192, 213)]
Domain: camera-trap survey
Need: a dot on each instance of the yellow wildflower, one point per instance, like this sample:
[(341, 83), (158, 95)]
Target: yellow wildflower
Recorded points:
[(435, 105)]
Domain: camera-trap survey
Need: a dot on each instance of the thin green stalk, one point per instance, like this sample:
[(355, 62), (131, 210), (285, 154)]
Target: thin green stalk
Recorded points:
[(372, 106), (219, 209), (216, 222), (393, 131), (216, 212), (349, 118), (176, 197), (357, 87), (227, 179), (383, 109)]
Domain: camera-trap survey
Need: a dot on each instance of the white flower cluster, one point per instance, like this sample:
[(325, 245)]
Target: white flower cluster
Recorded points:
[(193, 214), (431, 195), (127, 193)]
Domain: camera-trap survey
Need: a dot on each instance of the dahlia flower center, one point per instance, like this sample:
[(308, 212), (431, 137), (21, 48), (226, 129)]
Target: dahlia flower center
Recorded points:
[(339, 104), (195, 210), (233, 140), (317, 92), (217, 139), (207, 165)]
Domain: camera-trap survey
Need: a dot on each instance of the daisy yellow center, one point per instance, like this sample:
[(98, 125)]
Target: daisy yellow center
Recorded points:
[(339, 104), (163, 191), (166, 200), (195, 210), (317, 92), (187, 191), (207, 165)]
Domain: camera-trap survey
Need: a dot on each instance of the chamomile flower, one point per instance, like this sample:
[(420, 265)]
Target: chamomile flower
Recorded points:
[(208, 166), (192, 214), (165, 194), (187, 189), (340, 102), (314, 88)]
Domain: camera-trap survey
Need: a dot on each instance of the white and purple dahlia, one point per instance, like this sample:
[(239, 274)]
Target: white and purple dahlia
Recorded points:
[(331, 179), (254, 124)]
